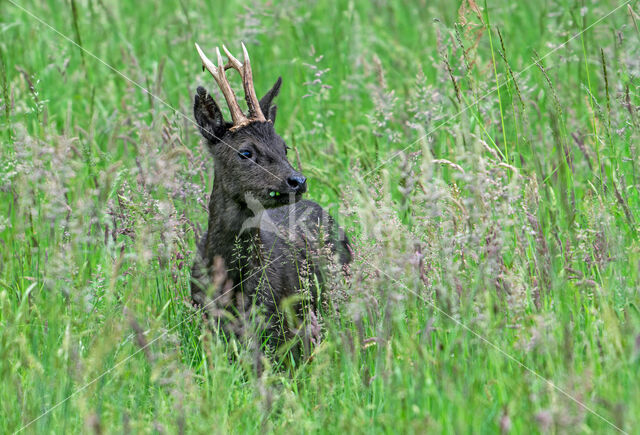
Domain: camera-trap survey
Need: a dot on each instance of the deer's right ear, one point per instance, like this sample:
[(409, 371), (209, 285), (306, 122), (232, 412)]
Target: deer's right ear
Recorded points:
[(209, 117)]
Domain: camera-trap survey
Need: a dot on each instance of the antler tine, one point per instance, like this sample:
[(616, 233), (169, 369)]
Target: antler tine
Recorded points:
[(249, 90), (207, 63), (233, 62), (220, 77)]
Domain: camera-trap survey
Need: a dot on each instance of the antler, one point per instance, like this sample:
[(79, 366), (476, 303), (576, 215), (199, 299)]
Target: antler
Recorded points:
[(247, 82), (218, 73)]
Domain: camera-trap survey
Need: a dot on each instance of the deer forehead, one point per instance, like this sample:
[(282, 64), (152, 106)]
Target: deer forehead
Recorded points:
[(261, 137)]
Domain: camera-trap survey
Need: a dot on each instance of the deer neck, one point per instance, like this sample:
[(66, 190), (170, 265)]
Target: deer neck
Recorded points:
[(233, 230)]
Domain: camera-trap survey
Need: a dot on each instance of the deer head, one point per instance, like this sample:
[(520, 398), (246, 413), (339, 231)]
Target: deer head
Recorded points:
[(250, 157)]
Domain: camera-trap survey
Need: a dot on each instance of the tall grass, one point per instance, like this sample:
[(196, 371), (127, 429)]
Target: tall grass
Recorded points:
[(514, 213)]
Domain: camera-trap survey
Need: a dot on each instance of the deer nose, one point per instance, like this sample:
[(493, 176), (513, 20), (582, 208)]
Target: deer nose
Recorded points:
[(298, 183)]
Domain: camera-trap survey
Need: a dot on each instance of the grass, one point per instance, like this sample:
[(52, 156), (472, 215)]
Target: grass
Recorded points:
[(512, 214)]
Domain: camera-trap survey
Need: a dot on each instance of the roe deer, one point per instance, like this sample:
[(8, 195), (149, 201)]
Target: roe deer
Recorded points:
[(258, 223)]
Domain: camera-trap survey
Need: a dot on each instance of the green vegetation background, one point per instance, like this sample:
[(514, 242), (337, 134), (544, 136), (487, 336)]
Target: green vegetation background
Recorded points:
[(512, 213)]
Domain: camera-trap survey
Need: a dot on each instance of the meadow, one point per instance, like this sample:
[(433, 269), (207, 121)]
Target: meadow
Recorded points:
[(482, 157)]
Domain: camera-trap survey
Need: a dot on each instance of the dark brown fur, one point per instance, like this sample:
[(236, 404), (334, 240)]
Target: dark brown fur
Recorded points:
[(263, 240)]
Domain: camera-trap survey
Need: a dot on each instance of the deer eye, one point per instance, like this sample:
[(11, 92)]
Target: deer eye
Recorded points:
[(245, 154)]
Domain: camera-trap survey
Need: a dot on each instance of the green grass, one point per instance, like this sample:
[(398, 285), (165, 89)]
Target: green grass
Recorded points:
[(517, 216)]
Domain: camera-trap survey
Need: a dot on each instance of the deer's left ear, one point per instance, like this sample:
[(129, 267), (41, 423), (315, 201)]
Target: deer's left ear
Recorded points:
[(265, 102)]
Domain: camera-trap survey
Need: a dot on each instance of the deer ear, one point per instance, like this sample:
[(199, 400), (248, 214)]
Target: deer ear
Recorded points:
[(209, 117), (265, 102)]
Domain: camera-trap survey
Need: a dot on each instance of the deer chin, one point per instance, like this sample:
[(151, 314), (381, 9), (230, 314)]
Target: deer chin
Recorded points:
[(270, 199), (276, 198)]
